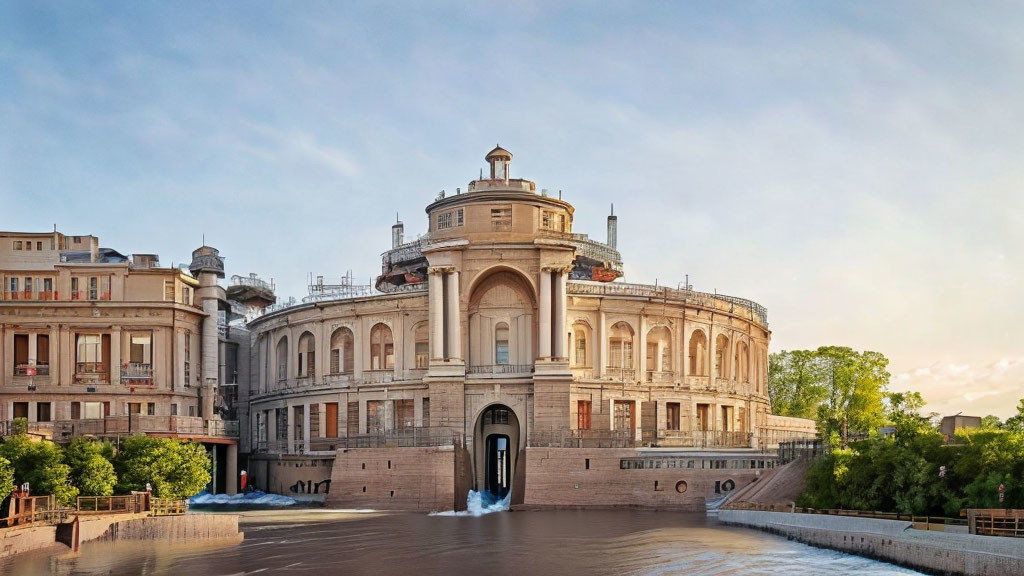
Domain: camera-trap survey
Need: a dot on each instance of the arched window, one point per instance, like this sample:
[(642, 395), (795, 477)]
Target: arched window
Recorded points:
[(742, 363), (659, 350), (282, 358), (581, 347), (698, 354), (620, 347), (421, 334), (501, 343), (382, 348), (342, 351), (307, 355), (722, 356)]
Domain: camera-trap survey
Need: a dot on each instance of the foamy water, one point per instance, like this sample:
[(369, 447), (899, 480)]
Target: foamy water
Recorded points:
[(478, 504)]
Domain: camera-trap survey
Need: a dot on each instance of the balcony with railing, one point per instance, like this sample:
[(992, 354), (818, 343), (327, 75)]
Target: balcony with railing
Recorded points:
[(112, 426), (32, 370), (499, 370), (660, 376), (137, 371), (620, 374), (697, 438), (91, 372)]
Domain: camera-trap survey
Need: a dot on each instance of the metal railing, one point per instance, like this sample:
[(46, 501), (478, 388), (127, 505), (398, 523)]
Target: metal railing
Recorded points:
[(995, 522), (32, 370), (660, 377), (690, 297), (167, 507), (566, 438), (697, 438), (504, 369), (921, 522), (620, 374), (134, 370), (396, 438), (109, 426), (128, 504)]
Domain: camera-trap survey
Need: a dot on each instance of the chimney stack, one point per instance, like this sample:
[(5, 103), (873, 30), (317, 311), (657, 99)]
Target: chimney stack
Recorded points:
[(397, 233), (613, 229)]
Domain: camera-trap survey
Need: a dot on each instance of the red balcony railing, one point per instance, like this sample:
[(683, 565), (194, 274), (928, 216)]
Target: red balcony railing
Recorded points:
[(32, 370)]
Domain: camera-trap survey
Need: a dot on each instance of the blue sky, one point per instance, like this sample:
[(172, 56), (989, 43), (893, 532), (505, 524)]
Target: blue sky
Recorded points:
[(854, 167)]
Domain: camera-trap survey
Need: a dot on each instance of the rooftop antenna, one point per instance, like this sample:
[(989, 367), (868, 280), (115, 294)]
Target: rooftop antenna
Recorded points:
[(481, 174), (559, 194)]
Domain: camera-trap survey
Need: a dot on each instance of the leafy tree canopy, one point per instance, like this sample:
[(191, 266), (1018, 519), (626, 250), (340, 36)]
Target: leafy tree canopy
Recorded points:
[(91, 469), (41, 464), (175, 469)]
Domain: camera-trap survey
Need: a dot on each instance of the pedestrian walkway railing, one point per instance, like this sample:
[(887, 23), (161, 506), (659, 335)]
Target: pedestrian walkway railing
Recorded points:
[(921, 522), (995, 522)]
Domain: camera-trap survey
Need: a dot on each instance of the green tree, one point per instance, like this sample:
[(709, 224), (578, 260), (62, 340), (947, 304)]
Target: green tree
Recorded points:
[(991, 422), (795, 383), (175, 469), (1015, 423), (856, 383), (6, 477), (91, 470), (41, 464)]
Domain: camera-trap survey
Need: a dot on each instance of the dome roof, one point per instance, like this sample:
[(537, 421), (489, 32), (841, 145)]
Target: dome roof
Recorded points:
[(498, 152)]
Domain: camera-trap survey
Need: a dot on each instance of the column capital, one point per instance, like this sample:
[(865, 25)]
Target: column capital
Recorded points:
[(441, 270), (558, 269)]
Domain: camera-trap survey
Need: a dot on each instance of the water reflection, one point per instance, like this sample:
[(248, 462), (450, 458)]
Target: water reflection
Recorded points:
[(562, 542)]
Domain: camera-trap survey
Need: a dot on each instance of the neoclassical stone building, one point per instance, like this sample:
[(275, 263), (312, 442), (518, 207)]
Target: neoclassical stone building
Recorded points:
[(499, 332)]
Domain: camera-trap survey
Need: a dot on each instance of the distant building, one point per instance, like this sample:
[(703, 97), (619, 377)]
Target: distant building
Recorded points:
[(950, 424), (98, 343)]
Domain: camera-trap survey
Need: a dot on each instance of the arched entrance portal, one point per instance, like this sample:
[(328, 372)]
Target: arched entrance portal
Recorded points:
[(496, 450)]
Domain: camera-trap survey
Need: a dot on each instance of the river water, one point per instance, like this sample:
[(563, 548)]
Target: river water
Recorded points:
[(560, 542)]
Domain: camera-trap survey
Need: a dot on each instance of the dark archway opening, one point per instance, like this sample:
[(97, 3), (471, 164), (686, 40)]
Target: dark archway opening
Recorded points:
[(498, 479)]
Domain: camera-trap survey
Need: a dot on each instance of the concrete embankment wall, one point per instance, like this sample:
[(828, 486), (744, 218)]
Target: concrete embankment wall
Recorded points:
[(17, 540), (417, 479), (199, 528), (892, 541), (190, 527), (571, 477)]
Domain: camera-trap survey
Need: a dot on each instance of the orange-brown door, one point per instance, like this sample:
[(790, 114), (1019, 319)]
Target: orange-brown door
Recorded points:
[(332, 419)]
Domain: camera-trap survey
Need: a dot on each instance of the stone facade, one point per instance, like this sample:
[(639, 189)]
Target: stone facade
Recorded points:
[(501, 315), (93, 342)]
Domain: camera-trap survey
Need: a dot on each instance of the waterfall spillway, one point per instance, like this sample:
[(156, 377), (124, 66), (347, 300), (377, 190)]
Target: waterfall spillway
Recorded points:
[(479, 503)]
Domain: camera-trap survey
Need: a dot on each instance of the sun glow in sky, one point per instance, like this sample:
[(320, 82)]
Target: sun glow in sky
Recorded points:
[(855, 167)]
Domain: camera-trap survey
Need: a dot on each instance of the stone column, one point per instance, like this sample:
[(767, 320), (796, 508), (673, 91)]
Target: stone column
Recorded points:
[(711, 353), (544, 313), (558, 319), (305, 427), (209, 353), (453, 322), (601, 346), (435, 293), (290, 431), (231, 470), (54, 356), (271, 417), (115, 355), (641, 354)]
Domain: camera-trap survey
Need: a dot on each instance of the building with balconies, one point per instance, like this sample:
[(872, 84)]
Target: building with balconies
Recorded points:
[(500, 352), (93, 342)]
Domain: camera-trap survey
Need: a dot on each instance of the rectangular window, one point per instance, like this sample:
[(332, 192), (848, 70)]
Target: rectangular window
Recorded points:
[(92, 355), (188, 358), (48, 289), (28, 245), (21, 365), (94, 288), (76, 410), (192, 411), (583, 409), (39, 245), (672, 416), (374, 416), (422, 354), (404, 413), (426, 411), (459, 217), (623, 415), (92, 410), (150, 409), (552, 221), (42, 350), (13, 288), (28, 288), (17, 244), (335, 361), (134, 408), (501, 219), (141, 348), (75, 295), (42, 412), (174, 409), (186, 295), (169, 291), (352, 426), (444, 220), (331, 413), (704, 417)]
